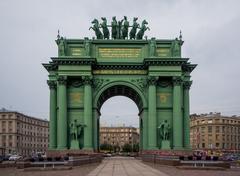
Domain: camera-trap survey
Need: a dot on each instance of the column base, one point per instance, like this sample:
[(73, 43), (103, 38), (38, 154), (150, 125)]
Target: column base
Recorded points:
[(152, 148), (52, 147), (178, 148), (88, 148), (61, 148)]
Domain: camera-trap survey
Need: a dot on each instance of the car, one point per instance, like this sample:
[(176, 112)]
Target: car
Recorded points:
[(107, 154), (15, 157), (1, 158), (6, 157)]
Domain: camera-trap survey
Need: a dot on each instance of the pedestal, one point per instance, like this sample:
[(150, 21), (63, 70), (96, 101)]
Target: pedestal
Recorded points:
[(165, 144), (74, 144)]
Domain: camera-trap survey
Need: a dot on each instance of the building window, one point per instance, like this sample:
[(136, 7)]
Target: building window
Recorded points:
[(210, 129), (217, 129), (217, 145), (210, 121), (203, 145), (223, 129)]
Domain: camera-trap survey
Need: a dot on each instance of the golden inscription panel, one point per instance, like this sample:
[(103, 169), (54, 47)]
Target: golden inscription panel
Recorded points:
[(77, 51), (163, 97), (120, 72), (75, 97), (163, 52), (119, 52)]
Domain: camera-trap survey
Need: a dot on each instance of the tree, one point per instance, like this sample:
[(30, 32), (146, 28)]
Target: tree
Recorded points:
[(106, 146), (136, 147), (116, 148), (127, 148)]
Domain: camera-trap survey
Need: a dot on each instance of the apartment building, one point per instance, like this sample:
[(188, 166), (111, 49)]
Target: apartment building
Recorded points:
[(22, 134)]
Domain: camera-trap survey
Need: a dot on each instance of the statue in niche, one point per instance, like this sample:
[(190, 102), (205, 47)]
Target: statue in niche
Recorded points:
[(176, 48), (133, 31), (164, 130), (87, 46), (96, 27), (75, 131), (142, 30), (125, 28), (114, 26), (105, 28), (152, 47), (61, 42)]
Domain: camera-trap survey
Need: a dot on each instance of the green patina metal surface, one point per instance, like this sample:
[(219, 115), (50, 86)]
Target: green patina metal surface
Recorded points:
[(89, 71)]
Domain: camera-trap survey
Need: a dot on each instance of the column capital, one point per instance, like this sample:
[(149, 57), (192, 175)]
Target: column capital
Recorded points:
[(62, 80), (52, 84), (177, 81), (152, 80), (187, 84), (87, 80)]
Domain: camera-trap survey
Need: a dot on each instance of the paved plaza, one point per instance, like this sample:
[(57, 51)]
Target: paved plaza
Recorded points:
[(120, 166)]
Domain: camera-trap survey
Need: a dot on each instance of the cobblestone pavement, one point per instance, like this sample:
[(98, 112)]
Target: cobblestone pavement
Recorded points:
[(123, 166), (173, 171), (120, 166), (76, 171)]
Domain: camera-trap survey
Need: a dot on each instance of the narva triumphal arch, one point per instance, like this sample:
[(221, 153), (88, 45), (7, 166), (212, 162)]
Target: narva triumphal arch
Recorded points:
[(87, 72)]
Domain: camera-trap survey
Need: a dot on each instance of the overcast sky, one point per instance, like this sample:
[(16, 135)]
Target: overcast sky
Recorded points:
[(210, 31)]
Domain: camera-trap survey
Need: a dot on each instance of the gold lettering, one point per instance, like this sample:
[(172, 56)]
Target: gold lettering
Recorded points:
[(119, 52), (163, 97), (75, 97), (77, 51), (120, 72), (163, 52)]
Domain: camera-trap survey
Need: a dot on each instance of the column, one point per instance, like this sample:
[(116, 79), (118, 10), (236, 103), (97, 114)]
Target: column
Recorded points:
[(145, 129), (62, 113), (186, 125), (53, 115), (177, 114), (152, 114), (88, 130), (95, 128)]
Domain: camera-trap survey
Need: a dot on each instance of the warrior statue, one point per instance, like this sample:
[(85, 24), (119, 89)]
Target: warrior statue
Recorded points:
[(152, 47), (119, 34), (142, 30), (133, 31), (164, 129), (176, 48), (75, 130), (105, 28), (61, 42), (87, 46), (125, 28), (96, 27), (114, 26)]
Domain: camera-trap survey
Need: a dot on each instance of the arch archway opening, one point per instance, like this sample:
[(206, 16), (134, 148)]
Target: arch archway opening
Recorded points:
[(119, 122), (120, 90)]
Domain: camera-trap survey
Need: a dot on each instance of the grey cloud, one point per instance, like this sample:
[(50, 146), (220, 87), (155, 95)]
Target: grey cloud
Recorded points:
[(210, 30)]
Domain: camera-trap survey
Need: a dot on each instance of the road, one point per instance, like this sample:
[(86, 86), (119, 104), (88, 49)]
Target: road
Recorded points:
[(124, 166)]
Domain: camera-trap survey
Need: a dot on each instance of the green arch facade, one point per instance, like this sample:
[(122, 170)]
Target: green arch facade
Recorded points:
[(89, 71)]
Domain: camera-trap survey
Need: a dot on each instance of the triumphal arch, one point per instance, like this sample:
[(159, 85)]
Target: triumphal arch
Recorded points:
[(119, 60)]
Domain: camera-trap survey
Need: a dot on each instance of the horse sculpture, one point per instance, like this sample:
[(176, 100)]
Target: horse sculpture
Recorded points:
[(105, 28), (95, 27), (133, 31), (142, 30)]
